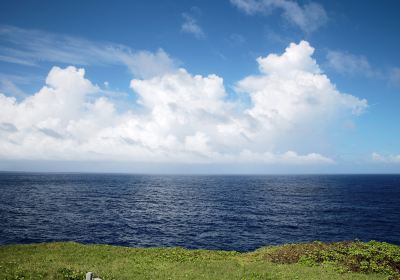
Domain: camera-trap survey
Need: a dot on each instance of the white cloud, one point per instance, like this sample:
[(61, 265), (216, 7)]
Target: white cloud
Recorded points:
[(11, 84), (6, 85), (291, 92), (385, 158), (180, 117), (145, 64), (350, 64), (30, 47), (308, 17), (191, 26)]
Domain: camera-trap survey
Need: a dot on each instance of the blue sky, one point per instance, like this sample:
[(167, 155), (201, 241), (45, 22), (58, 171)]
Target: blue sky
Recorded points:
[(194, 86)]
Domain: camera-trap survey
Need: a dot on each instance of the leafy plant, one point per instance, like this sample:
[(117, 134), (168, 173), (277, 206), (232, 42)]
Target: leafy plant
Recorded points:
[(354, 256)]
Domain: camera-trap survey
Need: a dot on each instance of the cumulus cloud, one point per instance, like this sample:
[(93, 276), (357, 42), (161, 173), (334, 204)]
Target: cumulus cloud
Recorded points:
[(376, 157), (191, 26), (180, 117), (308, 17), (291, 92), (350, 64)]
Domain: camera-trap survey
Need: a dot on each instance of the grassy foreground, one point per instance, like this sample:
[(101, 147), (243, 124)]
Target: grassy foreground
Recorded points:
[(69, 260)]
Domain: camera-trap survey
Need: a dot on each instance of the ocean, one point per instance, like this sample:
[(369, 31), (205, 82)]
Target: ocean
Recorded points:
[(239, 213)]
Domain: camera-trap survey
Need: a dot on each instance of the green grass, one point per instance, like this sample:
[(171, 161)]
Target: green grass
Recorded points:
[(69, 260)]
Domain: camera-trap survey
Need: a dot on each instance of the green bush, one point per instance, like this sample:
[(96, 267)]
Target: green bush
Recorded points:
[(355, 256)]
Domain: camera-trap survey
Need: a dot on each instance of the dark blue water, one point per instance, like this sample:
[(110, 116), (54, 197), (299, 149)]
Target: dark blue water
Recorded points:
[(211, 212)]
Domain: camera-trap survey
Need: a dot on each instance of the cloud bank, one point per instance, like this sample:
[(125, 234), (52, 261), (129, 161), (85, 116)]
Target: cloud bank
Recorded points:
[(182, 118)]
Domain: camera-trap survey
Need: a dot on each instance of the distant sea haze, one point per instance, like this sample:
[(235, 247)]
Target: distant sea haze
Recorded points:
[(204, 212)]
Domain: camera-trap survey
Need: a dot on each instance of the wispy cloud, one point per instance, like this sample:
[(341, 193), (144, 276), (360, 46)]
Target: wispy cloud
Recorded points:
[(9, 87), (11, 57), (376, 157), (10, 84), (31, 47), (191, 26), (236, 39), (308, 17), (394, 77), (350, 64)]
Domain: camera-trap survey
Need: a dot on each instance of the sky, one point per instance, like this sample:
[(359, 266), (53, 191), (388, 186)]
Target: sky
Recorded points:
[(214, 87)]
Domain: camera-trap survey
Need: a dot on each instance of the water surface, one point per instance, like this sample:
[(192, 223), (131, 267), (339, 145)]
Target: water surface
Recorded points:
[(209, 212)]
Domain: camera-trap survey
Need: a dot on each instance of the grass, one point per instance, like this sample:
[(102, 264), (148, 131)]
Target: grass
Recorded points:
[(69, 260)]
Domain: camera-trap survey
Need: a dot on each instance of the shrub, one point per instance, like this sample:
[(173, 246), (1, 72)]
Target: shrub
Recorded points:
[(355, 256)]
